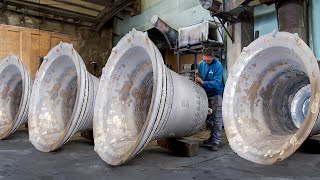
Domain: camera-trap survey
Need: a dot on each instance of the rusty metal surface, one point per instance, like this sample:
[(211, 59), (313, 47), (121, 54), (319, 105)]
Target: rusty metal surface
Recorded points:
[(291, 17), (15, 89), (62, 99), (141, 100), (258, 97)]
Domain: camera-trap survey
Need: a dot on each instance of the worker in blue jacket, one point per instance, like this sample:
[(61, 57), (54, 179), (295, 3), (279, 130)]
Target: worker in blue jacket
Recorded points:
[(210, 78)]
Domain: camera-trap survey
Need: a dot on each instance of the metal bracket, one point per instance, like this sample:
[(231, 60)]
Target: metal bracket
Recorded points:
[(226, 29)]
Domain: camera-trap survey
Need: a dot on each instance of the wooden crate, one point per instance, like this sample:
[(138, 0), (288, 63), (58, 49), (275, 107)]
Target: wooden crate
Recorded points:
[(30, 44)]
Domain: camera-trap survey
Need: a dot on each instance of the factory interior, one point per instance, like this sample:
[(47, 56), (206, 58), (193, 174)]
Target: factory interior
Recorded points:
[(159, 89)]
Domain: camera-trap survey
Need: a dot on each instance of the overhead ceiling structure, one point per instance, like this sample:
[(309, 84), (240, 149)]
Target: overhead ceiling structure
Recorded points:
[(93, 13)]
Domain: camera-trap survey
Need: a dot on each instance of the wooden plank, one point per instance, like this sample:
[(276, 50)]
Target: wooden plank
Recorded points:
[(35, 55), (44, 44), (52, 10), (83, 4), (181, 147), (3, 52), (65, 7), (30, 44), (88, 135), (25, 45), (40, 46), (13, 42), (101, 2)]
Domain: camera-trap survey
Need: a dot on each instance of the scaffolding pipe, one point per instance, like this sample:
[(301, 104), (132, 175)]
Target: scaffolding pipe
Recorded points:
[(263, 87), (141, 100), (15, 88), (62, 99)]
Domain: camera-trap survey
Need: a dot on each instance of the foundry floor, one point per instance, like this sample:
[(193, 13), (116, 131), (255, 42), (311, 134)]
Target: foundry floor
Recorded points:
[(77, 160)]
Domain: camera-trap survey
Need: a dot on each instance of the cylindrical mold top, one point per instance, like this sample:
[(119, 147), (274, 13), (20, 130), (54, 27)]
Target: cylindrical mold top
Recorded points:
[(135, 66), (60, 98), (15, 88), (258, 96), (141, 100)]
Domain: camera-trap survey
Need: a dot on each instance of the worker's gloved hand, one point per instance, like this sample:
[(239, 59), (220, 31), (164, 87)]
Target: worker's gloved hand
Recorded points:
[(199, 80)]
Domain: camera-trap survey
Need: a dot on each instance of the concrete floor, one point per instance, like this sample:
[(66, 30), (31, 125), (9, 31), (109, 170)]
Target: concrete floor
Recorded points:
[(77, 160)]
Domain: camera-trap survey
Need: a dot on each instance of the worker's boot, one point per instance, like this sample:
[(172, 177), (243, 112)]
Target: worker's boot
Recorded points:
[(215, 147), (207, 142)]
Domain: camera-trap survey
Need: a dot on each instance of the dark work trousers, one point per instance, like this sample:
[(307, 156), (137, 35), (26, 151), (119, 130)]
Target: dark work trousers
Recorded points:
[(214, 120)]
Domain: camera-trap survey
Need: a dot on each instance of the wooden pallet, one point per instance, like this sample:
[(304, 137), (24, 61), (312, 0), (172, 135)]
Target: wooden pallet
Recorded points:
[(181, 147), (87, 134)]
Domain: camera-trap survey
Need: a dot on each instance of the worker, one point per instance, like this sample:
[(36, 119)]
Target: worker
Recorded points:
[(210, 78)]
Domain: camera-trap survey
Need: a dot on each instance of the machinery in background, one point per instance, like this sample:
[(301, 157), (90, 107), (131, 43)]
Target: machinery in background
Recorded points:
[(191, 40), (169, 33)]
